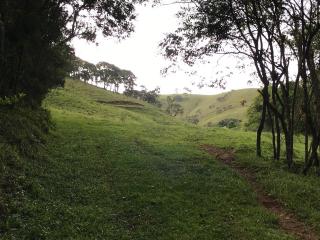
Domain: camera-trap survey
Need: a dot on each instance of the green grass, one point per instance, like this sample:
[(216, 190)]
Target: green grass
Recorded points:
[(214, 108), (298, 193), (118, 172)]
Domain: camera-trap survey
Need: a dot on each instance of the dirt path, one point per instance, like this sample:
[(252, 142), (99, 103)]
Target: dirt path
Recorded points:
[(287, 221)]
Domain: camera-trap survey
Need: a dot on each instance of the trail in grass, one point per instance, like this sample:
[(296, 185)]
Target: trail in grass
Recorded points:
[(124, 172), (287, 221)]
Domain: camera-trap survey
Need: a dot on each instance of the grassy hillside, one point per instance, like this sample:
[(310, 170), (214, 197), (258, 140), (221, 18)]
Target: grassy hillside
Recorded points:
[(118, 168), (213, 108)]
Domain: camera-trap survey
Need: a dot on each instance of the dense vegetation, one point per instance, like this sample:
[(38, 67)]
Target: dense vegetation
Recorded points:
[(35, 52)]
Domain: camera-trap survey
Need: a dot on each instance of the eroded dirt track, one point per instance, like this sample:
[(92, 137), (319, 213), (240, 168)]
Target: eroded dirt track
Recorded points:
[(287, 221)]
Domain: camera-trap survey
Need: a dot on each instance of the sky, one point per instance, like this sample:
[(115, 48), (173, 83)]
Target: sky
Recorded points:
[(140, 54)]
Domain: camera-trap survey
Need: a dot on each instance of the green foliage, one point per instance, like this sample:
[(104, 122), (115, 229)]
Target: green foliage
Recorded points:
[(23, 133), (12, 181), (30, 63), (25, 128), (229, 123), (108, 74), (83, 70), (194, 119), (173, 108), (255, 109), (35, 51), (11, 100), (254, 114), (145, 95)]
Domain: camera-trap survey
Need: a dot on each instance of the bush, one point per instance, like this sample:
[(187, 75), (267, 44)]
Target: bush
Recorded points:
[(229, 123), (173, 108), (24, 127), (23, 132), (145, 95)]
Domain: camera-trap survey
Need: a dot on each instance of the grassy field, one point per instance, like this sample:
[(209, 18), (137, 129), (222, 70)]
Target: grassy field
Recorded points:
[(118, 168), (211, 109)]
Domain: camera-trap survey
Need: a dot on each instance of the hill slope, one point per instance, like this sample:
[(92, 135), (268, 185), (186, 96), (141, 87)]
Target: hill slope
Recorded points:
[(118, 168), (211, 109)]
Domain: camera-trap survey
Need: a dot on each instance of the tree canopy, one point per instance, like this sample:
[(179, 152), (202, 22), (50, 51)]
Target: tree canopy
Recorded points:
[(35, 39), (107, 74)]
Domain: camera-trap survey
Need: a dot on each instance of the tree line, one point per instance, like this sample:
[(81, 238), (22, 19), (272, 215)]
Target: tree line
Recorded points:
[(110, 76), (281, 38)]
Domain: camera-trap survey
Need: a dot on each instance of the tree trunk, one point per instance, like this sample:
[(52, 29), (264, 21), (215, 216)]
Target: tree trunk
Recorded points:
[(278, 130), (276, 119), (274, 146), (289, 149), (313, 160), (314, 121), (261, 126)]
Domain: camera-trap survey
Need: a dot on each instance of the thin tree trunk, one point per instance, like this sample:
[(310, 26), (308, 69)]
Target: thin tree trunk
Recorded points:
[(278, 130), (276, 119), (261, 126), (307, 119), (271, 118)]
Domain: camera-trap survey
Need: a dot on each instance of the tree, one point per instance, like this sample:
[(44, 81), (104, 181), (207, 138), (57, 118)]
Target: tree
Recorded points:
[(243, 102), (128, 79), (87, 72), (109, 75), (173, 108), (35, 39), (275, 35), (145, 95), (229, 123)]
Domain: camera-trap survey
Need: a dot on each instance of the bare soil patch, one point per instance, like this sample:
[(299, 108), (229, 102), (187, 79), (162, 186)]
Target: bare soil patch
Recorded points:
[(287, 220)]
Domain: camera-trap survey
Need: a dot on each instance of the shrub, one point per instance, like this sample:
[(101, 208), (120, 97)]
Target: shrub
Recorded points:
[(173, 108), (229, 123), (145, 95), (24, 127), (23, 132)]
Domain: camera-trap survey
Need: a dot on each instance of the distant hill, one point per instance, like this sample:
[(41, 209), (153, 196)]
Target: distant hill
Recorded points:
[(210, 109)]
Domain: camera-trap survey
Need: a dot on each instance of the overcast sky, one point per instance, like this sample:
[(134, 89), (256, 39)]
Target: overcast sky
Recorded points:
[(140, 54)]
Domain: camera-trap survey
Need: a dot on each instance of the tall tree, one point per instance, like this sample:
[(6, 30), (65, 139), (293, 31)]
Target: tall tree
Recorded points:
[(128, 79), (109, 75), (36, 35)]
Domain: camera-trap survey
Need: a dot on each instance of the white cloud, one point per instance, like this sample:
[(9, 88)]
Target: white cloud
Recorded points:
[(140, 54)]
